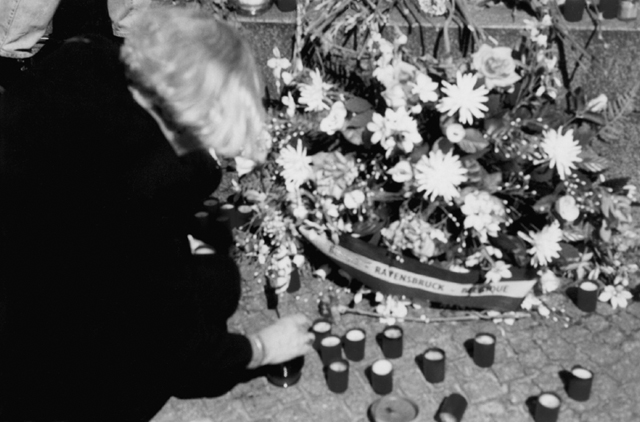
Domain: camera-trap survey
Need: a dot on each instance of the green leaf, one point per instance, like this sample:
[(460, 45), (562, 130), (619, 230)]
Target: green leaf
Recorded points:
[(569, 252), (492, 182), (544, 204), (595, 118), (357, 105), (361, 119), (473, 141), (592, 162)]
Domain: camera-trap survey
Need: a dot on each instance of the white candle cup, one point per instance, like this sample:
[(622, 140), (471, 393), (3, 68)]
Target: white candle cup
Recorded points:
[(392, 342), (382, 376), (354, 343), (484, 346), (579, 385), (330, 349), (452, 408), (587, 297), (547, 408)]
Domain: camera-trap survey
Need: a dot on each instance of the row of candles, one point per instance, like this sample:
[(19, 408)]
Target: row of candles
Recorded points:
[(432, 366)]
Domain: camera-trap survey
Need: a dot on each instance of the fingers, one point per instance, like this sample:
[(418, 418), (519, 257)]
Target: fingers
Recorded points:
[(301, 320)]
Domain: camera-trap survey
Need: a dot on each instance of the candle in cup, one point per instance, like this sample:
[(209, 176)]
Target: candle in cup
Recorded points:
[(484, 346), (354, 342), (320, 328), (392, 342), (338, 376), (579, 386), (330, 349), (547, 408), (452, 408), (587, 296), (433, 365), (382, 376)]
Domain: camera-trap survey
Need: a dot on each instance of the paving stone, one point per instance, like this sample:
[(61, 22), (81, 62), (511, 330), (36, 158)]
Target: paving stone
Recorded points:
[(548, 380), (612, 336), (556, 348), (603, 354), (485, 386), (625, 322), (295, 412), (532, 360), (624, 371), (595, 323), (508, 371), (576, 333)]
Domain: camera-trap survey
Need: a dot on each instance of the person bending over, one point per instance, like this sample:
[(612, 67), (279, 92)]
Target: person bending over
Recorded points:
[(104, 158)]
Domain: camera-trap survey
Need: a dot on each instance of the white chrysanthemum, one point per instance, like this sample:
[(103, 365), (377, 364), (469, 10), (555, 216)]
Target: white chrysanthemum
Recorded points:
[(296, 165), (425, 88), (563, 151), (498, 271), (313, 94), (616, 295), (463, 98), (406, 126), (545, 244), (440, 175)]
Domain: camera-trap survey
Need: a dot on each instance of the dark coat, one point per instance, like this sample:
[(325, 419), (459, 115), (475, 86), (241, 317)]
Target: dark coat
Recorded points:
[(104, 313)]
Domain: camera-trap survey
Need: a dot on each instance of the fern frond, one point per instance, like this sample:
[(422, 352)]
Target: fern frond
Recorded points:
[(616, 113)]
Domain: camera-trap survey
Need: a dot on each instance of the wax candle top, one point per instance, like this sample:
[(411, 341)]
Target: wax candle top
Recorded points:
[(330, 341), (338, 366), (382, 367), (355, 335), (434, 354), (211, 202), (549, 400), (588, 286), (201, 214), (393, 332), (485, 339), (583, 373), (227, 206), (251, 2), (244, 209), (321, 326)]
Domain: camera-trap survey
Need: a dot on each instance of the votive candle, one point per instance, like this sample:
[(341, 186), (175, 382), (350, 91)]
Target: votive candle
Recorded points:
[(330, 349), (484, 346), (382, 376), (547, 407), (452, 408), (320, 328), (587, 297), (354, 342), (392, 342), (338, 376), (433, 365), (579, 386)]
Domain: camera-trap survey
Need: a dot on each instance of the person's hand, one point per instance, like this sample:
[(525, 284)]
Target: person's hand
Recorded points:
[(287, 338)]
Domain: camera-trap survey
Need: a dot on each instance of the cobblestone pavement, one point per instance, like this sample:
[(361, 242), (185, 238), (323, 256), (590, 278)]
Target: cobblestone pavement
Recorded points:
[(531, 357)]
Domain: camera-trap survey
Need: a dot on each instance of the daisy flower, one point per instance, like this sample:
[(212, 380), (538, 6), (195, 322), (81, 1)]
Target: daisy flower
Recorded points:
[(296, 165), (617, 295), (378, 125), (545, 244), (313, 94), (463, 98), (563, 151), (335, 120), (440, 174)]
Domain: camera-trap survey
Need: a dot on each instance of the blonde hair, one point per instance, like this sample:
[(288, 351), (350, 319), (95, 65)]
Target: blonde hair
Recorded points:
[(201, 77)]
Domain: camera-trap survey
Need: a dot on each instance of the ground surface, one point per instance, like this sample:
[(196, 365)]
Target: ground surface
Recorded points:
[(531, 356)]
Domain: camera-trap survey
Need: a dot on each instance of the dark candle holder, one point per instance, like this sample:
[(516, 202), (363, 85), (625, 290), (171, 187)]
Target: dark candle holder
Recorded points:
[(484, 346), (320, 328), (433, 365), (580, 382), (338, 376), (382, 376), (452, 408), (547, 407), (587, 296), (287, 373), (392, 340), (354, 342), (330, 349)]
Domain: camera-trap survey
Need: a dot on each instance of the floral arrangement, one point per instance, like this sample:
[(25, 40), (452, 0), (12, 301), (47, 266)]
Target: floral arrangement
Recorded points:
[(467, 163)]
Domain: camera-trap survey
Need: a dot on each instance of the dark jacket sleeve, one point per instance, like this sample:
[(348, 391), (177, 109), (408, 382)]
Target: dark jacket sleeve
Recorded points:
[(102, 300)]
